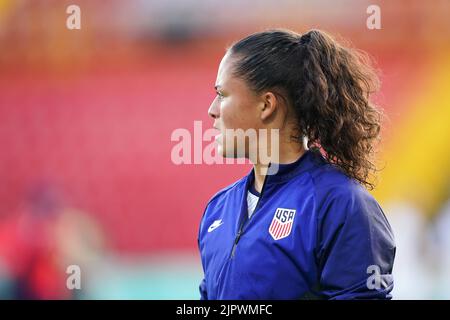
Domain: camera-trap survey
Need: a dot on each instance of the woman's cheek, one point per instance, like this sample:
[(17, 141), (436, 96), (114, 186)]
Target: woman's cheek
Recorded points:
[(225, 115), (230, 115)]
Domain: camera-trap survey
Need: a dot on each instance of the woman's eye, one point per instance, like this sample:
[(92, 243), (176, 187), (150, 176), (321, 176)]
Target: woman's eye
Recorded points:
[(220, 95)]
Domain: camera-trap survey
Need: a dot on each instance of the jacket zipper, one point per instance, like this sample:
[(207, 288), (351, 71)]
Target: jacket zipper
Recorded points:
[(241, 227)]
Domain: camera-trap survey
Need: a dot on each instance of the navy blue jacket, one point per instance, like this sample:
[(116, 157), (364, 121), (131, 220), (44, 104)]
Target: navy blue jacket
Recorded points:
[(315, 233)]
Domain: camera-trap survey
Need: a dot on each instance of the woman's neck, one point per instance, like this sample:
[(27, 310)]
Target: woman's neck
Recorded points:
[(288, 154)]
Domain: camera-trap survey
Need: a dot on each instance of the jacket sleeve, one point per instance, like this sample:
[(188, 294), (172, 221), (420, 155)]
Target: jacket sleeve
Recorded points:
[(202, 288), (356, 248)]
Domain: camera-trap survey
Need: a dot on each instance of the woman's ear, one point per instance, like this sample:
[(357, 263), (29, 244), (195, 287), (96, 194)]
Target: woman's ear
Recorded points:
[(269, 106)]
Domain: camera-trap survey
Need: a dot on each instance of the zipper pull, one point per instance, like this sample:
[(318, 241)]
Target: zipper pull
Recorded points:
[(238, 237), (236, 240)]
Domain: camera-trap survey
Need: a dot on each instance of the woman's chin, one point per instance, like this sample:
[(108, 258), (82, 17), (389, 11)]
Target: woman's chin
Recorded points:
[(221, 150)]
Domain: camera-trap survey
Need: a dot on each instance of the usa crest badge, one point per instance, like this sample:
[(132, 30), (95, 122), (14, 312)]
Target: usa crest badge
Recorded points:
[(281, 225)]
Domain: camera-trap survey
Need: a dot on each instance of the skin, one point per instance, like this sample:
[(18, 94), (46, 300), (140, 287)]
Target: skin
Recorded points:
[(237, 106)]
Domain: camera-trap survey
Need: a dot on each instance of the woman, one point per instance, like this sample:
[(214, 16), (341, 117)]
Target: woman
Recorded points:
[(309, 229)]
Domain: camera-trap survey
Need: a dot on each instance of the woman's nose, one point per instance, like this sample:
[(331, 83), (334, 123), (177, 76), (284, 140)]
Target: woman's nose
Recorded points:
[(213, 110)]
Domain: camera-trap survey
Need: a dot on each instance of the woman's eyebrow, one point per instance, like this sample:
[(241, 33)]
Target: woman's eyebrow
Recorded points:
[(217, 87)]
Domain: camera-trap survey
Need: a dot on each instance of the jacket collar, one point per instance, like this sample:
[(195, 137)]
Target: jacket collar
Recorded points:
[(285, 172)]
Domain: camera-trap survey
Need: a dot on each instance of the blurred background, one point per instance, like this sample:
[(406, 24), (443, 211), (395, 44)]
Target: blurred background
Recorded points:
[(86, 118)]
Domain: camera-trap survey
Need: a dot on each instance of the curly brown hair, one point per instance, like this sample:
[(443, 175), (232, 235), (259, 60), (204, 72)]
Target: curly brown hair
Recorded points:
[(327, 85)]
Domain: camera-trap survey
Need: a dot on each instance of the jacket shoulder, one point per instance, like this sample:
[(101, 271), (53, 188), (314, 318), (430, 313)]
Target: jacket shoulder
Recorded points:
[(331, 186), (217, 199)]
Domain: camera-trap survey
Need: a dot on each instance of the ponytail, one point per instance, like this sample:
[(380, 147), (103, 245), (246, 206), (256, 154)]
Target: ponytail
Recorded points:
[(328, 87)]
